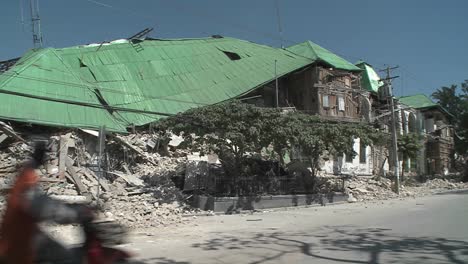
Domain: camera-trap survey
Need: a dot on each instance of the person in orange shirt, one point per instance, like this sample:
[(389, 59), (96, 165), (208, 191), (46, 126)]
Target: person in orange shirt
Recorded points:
[(22, 242)]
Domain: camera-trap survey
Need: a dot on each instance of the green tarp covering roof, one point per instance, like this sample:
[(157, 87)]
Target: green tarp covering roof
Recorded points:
[(417, 101), (370, 80), (313, 51), (119, 84)]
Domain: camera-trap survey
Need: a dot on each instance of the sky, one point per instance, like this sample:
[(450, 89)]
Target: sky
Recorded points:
[(427, 39)]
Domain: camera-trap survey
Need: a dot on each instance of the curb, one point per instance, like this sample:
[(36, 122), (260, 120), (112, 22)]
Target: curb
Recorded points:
[(266, 210), (279, 209), (452, 192)]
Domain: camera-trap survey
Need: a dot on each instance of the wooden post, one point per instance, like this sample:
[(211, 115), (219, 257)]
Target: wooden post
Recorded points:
[(63, 153)]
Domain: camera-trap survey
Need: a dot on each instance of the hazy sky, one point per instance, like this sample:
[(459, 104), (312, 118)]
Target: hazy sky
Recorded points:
[(427, 39)]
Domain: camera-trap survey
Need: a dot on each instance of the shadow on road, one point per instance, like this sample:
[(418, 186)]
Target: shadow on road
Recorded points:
[(342, 244)]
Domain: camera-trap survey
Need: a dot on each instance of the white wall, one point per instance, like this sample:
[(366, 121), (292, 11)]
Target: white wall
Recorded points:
[(355, 167)]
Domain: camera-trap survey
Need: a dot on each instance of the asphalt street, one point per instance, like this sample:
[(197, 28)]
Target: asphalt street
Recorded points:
[(431, 229)]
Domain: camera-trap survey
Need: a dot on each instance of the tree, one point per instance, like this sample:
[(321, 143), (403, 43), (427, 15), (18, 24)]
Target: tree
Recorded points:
[(409, 146), (234, 130), (229, 129)]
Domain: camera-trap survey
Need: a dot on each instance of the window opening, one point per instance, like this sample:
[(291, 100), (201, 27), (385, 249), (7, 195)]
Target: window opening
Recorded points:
[(362, 153), (325, 102), (341, 103)]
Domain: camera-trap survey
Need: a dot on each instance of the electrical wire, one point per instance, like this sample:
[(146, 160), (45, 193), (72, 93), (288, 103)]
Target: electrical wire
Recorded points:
[(125, 10), (87, 104), (86, 87)]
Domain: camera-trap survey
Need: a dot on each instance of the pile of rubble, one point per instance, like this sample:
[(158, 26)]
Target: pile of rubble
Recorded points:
[(132, 182), (368, 189)]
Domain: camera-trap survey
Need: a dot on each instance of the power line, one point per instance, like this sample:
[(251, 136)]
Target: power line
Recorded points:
[(86, 104), (124, 10), (87, 87)]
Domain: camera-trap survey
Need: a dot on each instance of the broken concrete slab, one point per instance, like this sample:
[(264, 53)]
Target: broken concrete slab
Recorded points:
[(175, 141), (80, 199), (130, 179), (3, 137), (135, 149)]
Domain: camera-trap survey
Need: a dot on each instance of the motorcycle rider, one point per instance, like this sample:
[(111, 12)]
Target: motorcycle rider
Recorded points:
[(22, 242)]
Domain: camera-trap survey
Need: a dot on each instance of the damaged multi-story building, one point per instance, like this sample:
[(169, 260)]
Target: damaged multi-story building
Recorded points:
[(329, 88), (414, 114), (433, 123), (132, 82)]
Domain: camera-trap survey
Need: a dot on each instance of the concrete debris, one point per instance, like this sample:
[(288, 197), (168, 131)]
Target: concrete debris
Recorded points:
[(141, 176), (351, 199), (368, 189), (136, 186)]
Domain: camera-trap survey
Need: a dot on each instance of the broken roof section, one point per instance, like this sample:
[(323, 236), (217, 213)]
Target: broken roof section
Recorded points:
[(313, 51), (370, 80), (126, 83)]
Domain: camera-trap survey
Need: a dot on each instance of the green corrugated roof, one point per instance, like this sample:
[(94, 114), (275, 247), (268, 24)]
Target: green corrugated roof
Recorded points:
[(421, 101), (370, 80), (165, 76), (417, 101), (313, 51)]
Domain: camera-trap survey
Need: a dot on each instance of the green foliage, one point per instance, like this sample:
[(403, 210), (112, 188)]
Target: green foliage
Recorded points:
[(455, 100), (234, 129), (409, 145)]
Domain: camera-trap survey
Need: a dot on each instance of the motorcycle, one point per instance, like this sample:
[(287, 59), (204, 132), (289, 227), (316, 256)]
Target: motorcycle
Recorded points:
[(100, 241)]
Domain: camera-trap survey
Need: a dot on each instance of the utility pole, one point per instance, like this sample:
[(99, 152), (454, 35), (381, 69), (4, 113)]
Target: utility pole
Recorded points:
[(396, 166), (101, 146), (280, 28), (35, 23), (276, 84)]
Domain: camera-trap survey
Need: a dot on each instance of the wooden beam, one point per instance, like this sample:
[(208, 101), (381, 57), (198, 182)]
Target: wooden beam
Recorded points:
[(75, 177), (10, 132), (90, 174)]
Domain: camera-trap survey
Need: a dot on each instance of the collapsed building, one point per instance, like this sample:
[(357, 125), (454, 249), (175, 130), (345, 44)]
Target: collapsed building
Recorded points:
[(130, 83), (125, 85)]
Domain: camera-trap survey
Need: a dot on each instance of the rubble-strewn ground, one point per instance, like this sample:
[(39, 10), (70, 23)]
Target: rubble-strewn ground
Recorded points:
[(368, 189), (140, 191), (138, 188)]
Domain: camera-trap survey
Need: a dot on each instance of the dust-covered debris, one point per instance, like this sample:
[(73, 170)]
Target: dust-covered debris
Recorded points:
[(142, 175), (368, 189), (136, 187)]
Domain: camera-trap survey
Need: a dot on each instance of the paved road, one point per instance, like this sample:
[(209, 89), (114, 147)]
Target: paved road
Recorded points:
[(431, 229)]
